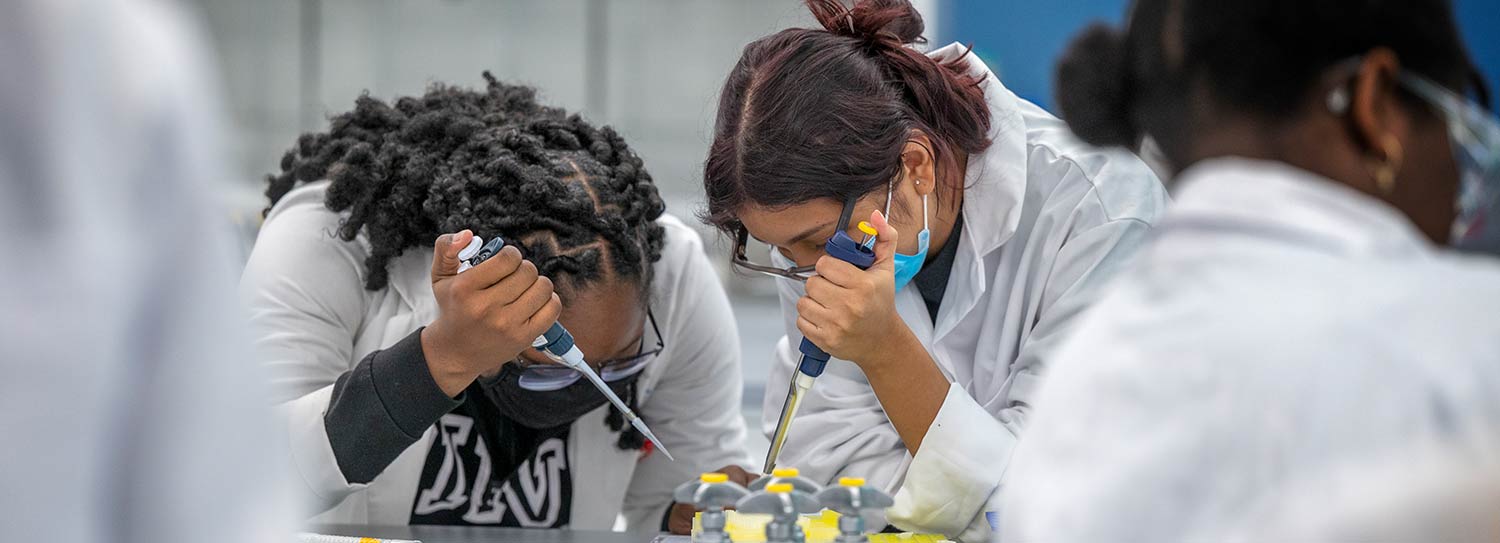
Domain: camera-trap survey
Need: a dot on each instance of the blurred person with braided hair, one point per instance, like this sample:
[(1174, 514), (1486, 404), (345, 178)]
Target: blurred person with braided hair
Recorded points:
[(413, 393)]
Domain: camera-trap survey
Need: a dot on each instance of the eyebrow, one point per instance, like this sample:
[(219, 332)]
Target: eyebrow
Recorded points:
[(635, 344), (629, 349), (805, 233)]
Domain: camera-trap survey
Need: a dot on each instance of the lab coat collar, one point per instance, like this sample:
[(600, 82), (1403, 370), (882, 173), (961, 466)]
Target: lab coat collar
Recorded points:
[(995, 181), (1292, 204), (410, 276), (994, 187)]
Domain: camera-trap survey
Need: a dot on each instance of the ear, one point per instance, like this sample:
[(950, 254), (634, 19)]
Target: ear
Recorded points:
[(918, 163), (1379, 119)]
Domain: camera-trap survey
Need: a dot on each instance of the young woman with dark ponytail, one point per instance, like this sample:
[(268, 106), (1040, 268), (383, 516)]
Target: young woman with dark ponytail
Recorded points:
[(412, 391), (1323, 296), (1008, 226)]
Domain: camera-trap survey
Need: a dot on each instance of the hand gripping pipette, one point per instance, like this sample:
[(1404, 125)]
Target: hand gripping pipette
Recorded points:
[(814, 359), (558, 342)]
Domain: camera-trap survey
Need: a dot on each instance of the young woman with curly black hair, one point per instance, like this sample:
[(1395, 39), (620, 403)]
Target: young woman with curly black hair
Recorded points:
[(413, 393)]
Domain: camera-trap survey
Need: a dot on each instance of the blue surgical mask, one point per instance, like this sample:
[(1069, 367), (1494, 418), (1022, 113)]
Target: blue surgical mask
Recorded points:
[(1475, 137), (907, 266)]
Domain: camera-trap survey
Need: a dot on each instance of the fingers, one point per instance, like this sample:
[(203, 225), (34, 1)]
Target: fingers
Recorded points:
[(681, 520), (809, 330), (532, 299), (491, 271), (544, 316), (885, 242), (813, 311), (822, 291), (510, 289), (837, 271), (738, 475), (445, 253), (823, 324)]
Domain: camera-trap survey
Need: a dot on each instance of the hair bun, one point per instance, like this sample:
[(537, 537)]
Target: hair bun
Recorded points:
[(1094, 88), (874, 20)]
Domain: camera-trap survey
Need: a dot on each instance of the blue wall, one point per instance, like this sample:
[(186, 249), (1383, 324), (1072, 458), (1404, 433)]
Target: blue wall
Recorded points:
[(1480, 20), (1021, 39)]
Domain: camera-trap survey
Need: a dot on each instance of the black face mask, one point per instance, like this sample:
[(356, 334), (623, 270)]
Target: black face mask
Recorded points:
[(550, 409)]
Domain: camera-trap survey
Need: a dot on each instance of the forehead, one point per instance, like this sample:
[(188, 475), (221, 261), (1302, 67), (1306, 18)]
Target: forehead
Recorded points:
[(606, 317), (779, 225), (788, 225)]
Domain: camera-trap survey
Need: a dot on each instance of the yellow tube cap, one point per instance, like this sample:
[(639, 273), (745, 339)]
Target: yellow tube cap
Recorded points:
[(851, 481), (714, 478), (785, 473), (779, 488), (864, 226)]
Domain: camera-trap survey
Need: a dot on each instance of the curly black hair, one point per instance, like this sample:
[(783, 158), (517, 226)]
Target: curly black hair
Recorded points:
[(572, 197)]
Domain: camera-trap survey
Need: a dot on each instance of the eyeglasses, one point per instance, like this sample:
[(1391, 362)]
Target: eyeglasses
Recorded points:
[(1474, 136), (796, 273), (1474, 132), (543, 377)]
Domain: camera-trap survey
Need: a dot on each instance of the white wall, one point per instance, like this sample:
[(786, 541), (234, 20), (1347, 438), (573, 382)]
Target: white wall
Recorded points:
[(650, 68)]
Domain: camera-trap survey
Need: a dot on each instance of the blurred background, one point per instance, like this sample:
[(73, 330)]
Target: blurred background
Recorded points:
[(650, 68)]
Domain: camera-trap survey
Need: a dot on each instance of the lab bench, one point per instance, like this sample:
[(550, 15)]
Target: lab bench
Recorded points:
[(477, 534)]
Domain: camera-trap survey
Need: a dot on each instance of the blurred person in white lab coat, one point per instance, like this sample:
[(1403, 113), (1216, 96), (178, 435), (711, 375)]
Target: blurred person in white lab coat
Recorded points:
[(413, 392), (1422, 491), (1008, 227), (1324, 292), (130, 408)]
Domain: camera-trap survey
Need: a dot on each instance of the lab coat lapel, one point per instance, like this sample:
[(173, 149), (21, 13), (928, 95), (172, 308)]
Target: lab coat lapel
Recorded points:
[(995, 184), (913, 310), (411, 278)]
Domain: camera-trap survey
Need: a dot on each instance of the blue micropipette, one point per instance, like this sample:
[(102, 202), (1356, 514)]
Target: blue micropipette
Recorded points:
[(814, 359), (558, 342)]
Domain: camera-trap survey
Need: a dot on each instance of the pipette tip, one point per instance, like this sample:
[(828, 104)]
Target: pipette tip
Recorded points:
[(574, 359), (641, 426)]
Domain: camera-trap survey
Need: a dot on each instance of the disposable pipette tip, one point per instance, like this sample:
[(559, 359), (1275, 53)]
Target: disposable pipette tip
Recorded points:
[(784, 422), (641, 426), (575, 359)]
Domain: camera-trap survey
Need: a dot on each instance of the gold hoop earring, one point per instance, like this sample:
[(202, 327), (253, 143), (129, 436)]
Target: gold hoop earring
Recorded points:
[(1385, 178), (1385, 171)]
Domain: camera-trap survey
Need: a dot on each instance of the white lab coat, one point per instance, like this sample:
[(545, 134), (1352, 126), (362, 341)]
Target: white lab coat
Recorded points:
[(1423, 491), (315, 320), (118, 323), (1279, 329), (1047, 220)]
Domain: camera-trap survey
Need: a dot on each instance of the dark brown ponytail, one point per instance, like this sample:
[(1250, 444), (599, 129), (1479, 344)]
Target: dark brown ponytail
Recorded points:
[(810, 114)]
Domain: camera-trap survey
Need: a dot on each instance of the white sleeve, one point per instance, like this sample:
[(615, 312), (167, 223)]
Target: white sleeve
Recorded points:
[(695, 408), (305, 294), (952, 482), (841, 430)]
